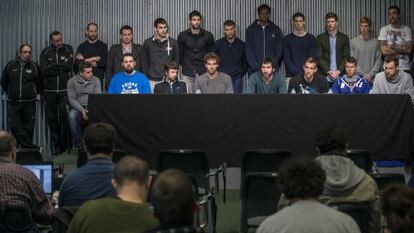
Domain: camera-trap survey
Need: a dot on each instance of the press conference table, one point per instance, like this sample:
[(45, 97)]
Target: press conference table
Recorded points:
[(226, 125)]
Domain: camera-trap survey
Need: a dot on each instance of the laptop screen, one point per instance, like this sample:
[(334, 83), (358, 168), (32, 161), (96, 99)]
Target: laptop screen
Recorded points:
[(44, 172)]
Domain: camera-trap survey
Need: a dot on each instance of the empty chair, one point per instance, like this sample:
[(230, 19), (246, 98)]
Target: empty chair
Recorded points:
[(28, 155), (361, 158), (259, 199), (359, 212), (387, 179), (83, 157)]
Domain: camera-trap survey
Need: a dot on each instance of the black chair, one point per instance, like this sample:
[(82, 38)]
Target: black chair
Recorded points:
[(361, 158), (265, 160), (28, 155), (62, 217), (387, 179), (16, 220), (259, 199), (83, 156), (194, 163), (359, 212)]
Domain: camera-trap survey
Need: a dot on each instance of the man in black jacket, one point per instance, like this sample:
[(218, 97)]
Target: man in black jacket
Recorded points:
[(194, 43), (171, 84), (117, 51), (56, 63), (22, 82)]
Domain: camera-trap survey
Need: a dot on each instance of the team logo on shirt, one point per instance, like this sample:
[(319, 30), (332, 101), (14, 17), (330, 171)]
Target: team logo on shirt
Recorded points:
[(129, 88)]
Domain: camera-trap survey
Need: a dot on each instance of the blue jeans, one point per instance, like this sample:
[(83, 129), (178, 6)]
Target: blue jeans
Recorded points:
[(238, 85), (75, 124)]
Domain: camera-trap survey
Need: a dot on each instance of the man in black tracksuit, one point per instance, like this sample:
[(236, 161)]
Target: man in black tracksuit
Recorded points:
[(21, 81), (170, 84), (56, 63)]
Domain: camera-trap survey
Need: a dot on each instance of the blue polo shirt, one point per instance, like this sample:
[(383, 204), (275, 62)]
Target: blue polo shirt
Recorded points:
[(91, 181)]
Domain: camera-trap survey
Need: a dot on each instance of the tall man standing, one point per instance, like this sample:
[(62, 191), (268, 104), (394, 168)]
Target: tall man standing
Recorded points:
[(194, 43), (263, 39), (22, 82), (232, 53), (56, 63)]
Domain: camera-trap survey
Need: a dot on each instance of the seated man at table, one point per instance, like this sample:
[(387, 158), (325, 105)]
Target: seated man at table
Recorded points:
[(392, 80), (266, 81), (308, 82), (170, 84), (213, 81), (351, 82), (129, 81)]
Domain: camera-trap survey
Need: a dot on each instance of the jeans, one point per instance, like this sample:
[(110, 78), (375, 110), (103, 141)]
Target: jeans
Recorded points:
[(238, 85), (189, 81), (76, 122)]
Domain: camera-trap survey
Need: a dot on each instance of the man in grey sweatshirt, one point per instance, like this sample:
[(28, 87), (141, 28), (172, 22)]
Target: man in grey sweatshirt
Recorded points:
[(79, 87), (392, 80)]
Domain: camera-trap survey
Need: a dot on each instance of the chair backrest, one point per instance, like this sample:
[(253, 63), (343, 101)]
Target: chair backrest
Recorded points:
[(260, 195), (191, 162), (361, 158), (83, 156), (359, 212), (16, 220), (387, 179), (28, 155), (62, 217)]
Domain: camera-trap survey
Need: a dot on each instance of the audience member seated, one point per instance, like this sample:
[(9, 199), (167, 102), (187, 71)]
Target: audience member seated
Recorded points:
[(346, 182), (174, 203), (398, 208), (351, 82), (92, 180), (19, 187), (302, 182), (125, 213)]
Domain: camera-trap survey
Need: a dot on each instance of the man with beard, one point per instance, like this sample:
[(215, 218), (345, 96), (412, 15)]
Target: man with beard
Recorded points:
[(308, 82), (160, 49), (194, 43), (56, 63), (396, 39), (333, 49), (266, 81), (213, 82), (392, 80), (263, 39), (114, 63), (130, 81), (352, 82), (232, 53), (22, 82), (93, 51)]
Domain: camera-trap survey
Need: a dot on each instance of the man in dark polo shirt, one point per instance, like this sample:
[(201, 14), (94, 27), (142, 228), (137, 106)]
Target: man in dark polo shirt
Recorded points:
[(92, 180)]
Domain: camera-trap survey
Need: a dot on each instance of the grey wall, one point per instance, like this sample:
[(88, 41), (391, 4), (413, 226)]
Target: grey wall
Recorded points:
[(32, 20)]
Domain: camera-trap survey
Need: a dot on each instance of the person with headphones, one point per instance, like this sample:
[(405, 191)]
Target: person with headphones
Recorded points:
[(56, 63)]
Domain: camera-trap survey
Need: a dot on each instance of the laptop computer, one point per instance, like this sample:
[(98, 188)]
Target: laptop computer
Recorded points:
[(43, 171)]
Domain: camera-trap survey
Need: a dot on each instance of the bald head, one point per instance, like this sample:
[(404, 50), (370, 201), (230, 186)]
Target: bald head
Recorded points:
[(7, 145)]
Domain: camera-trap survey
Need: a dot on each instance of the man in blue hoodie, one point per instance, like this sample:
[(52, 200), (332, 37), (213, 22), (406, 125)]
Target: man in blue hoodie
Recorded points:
[(263, 39)]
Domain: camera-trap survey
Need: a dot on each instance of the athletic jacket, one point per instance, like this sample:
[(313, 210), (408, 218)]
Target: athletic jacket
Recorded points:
[(343, 86)]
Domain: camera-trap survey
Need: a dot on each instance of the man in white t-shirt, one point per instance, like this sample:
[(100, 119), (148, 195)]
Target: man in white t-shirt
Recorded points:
[(396, 39)]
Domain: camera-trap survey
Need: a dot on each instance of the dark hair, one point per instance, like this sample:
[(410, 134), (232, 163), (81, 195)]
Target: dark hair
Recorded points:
[(397, 205), (331, 139), (126, 27), (332, 15), (298, 14), (160, 21), (174, 199), (264, 7), (131, 168), (193, 14), (7, 142), (128, 55), (24, 45), (391, 58), (311, 60), (268, 60), (394, 7), (99, 138), (352, 60), (170, 65), (54, 33), (211, 56), (229, 23), (90, 24), (366, 20), (302, 179), (83, 65)]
